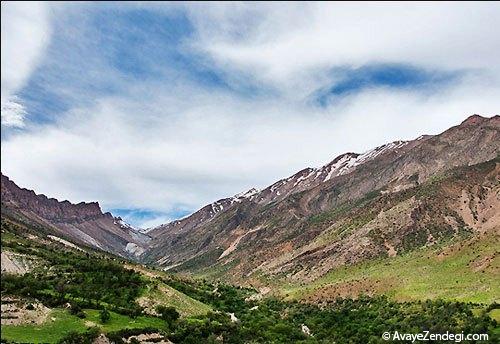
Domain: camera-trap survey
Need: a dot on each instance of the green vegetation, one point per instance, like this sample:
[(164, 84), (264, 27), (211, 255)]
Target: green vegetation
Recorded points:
[(97, 290), (60, 322), (448, 273), (104, 316), (48, 332), (221, 296), (169, 314), (159, 293), (77, 277), (270, 321), (118, 321)]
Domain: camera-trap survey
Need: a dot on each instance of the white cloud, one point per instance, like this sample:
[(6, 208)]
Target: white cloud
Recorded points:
[(25, 35), (291, 46), (216, 145), (164, 145), (13, 113), (154, 222)]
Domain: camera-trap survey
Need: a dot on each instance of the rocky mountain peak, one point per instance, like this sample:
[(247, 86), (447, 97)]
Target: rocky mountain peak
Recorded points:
[(474, 120), (50, 208)]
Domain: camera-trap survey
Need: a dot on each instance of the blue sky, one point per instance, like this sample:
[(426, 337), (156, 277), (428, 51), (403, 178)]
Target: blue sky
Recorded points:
[(392, 76), (157, 109)]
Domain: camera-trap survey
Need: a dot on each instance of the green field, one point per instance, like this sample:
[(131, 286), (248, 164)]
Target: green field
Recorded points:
[(48, 332), (60, 322), (451, 274)]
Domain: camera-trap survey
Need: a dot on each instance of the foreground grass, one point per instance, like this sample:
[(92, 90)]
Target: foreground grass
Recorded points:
[(48, 332), (60, 322), (467, 272)]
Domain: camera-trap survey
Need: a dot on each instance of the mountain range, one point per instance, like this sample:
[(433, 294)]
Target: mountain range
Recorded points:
[(389, 201)]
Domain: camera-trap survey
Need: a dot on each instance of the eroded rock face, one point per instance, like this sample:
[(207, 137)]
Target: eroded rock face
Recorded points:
[(49, 208), (82, 223), (16, 263), (304, 226)]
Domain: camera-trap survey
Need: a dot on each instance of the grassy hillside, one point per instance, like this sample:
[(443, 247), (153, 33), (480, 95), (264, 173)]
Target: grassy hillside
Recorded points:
[(77, 285), (466, 271)]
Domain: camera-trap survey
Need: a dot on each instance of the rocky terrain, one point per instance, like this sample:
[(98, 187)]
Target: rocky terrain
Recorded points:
[(82, 223)]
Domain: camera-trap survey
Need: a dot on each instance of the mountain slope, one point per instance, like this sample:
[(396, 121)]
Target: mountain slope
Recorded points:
[(343, 213), (82, 223)]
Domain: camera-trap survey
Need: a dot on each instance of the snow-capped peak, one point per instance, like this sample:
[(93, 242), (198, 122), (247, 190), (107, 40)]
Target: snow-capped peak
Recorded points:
[(246, 194), (119, 221)]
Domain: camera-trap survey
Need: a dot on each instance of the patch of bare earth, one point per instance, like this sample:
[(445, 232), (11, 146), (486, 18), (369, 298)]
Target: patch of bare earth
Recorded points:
[(349, 289), (483, 263), (20, 312), (16, 263), (148, 338), (102, 339)]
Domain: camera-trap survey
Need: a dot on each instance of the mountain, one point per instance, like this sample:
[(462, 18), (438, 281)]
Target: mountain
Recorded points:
[(389, 201), (82, 223), (393, 199)]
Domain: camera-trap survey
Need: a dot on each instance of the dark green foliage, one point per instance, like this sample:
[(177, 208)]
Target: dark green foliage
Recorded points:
[(221, 296), (341, 321), (86, 280), (104, 315), (169, 314), (75, 309), (80, 338)]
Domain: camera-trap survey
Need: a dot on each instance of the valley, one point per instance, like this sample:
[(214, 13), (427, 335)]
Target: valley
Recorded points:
[(403, 237)]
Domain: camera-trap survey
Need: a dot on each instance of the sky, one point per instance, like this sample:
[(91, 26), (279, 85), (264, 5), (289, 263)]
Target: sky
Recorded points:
[(156, 109)]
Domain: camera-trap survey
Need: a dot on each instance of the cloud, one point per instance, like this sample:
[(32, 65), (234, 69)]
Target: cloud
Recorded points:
[(25, 35), (215, 145), (292, 46), (13, 113), (222, 103)]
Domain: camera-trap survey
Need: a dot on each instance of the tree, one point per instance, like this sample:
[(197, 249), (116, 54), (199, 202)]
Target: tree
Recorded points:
[(104, 315), (169, 314)]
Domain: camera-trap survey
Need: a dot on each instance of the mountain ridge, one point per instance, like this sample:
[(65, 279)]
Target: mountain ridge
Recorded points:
[(262, 224), (84, 222), (303, 226)]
